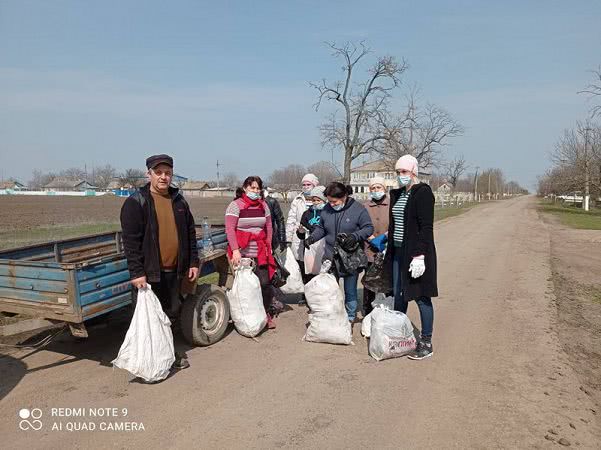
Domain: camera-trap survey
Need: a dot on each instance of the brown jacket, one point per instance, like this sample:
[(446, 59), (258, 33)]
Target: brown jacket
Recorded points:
[(379, 214)]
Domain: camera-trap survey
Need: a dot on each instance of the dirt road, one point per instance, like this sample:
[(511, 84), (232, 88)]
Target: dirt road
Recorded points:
[(499, 377)]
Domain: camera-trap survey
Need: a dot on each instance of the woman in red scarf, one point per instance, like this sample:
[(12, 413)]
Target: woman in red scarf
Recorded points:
[(249, 232)]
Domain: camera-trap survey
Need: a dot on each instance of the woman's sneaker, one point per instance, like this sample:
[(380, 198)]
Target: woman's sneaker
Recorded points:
[(270, 322), (423, 350)]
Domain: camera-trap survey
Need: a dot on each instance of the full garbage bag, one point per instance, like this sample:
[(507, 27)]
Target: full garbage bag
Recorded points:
[(294, 282), (380, 300), (391, 334), (246, 300), (314, 256), (377, 278), (328, 319), (147, 351)]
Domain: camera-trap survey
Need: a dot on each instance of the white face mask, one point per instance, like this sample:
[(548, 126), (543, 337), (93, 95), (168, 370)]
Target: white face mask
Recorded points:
[(404, 180), (338, 207), (377, 195)]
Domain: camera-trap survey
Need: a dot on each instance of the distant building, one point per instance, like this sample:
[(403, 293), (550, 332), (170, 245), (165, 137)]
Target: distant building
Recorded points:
[(63, 184), (194, 188), (12, 185), (444, 188)]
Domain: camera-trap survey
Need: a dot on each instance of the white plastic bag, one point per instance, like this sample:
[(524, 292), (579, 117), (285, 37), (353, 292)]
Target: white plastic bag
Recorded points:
[(391, 334), (246, 301), (328, 320), (147, 351), (314, 256), (294, 283), (380, 300)]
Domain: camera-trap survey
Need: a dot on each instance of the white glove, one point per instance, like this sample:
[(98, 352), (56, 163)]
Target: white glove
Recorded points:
[(417, 267)]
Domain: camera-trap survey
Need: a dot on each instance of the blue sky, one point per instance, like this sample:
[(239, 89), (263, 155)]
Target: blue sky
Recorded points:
[(114, 81)]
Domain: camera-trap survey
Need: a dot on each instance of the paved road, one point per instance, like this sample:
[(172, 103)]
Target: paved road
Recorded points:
[(498, 378)]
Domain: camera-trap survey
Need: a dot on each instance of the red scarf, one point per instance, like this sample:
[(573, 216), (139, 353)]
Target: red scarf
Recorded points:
[(264, 252)]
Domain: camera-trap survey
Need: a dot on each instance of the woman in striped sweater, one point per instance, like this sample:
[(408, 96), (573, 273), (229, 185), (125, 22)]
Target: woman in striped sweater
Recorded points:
[(411, 253), (249, 232)]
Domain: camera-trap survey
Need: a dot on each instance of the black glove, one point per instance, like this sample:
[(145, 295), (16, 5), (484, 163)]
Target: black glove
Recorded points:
[(308, 243), (350, 241)]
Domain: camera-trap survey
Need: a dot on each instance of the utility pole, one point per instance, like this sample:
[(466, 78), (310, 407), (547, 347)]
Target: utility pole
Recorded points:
[(476, 185), (585, 199), (218, 166)]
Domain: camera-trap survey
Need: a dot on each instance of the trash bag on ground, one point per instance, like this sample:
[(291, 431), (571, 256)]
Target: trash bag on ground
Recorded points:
[(294, 283), (328, 319), (314, 256), (147, 350), (380, 300), (376, 278), (246, 300), (391, 334)]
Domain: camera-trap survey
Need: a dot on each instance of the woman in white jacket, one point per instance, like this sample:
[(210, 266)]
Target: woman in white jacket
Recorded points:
[(299, 205)]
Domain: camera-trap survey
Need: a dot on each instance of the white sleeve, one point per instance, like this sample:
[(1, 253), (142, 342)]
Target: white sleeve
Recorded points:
[(291, 221)]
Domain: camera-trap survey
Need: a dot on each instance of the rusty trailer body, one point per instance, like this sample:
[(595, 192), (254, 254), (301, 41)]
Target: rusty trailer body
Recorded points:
[(75, 280)]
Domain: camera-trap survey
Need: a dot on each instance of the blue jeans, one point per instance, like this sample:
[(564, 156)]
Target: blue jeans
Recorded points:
[(350, 295), (426, 310)]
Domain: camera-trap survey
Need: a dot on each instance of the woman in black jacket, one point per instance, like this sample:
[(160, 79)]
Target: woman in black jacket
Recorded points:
[(411, 253)]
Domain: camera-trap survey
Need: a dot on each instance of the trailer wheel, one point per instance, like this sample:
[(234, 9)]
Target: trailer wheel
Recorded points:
[(205, 315)]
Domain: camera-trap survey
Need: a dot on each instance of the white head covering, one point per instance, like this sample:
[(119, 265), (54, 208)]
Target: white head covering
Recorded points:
[(377, 180), (311, 179), (407, 162)]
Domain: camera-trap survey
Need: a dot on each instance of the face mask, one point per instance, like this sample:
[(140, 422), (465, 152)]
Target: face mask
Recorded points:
[(253, 195), (307, 190), (338, 207), (319, 207), (404, 180), (377, 195)]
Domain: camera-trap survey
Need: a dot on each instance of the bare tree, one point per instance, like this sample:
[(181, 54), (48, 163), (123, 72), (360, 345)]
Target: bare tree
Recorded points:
[(73, 173), (454, 169), (287, 179), (364, 105), (325, 171), (594, 91), (230, 180), (133, 177), (39, 179), (103, 176), (421, 132)]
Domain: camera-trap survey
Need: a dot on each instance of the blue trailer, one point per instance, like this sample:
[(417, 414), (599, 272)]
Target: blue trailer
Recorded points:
[(75, 280)]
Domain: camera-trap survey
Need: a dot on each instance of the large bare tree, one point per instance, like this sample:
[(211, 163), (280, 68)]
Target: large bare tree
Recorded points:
[(103, 176), (356, 125), (594, 92), (419, 131)]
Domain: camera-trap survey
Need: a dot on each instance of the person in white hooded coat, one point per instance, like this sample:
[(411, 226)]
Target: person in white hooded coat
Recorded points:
[(299, 205)]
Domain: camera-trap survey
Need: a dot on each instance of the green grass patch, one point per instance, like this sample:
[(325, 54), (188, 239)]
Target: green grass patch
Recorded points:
[(572, 216), (20, 238), (212, 278), (451, 211)]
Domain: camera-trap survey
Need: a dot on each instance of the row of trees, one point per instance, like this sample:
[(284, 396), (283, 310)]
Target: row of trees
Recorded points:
[(576, 157), (489, 183), (287, 179), (98, 176)]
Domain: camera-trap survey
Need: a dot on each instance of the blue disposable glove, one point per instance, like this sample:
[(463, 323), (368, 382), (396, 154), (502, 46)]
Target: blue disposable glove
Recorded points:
[(379, 243)]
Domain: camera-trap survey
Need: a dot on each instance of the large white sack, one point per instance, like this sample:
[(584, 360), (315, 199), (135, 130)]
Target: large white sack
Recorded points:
[(314, 256), (391, 334), (246, 301), (328, 320), (294, 283), (380, 300), (147, 351)]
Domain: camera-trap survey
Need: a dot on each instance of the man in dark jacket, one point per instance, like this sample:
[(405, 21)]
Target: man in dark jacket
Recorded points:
[(159, 238)]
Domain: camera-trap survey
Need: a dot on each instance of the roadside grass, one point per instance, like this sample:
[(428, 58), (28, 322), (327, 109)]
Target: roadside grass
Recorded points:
[(212, 278), (451, 211), (19, 238), (572, 216)]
